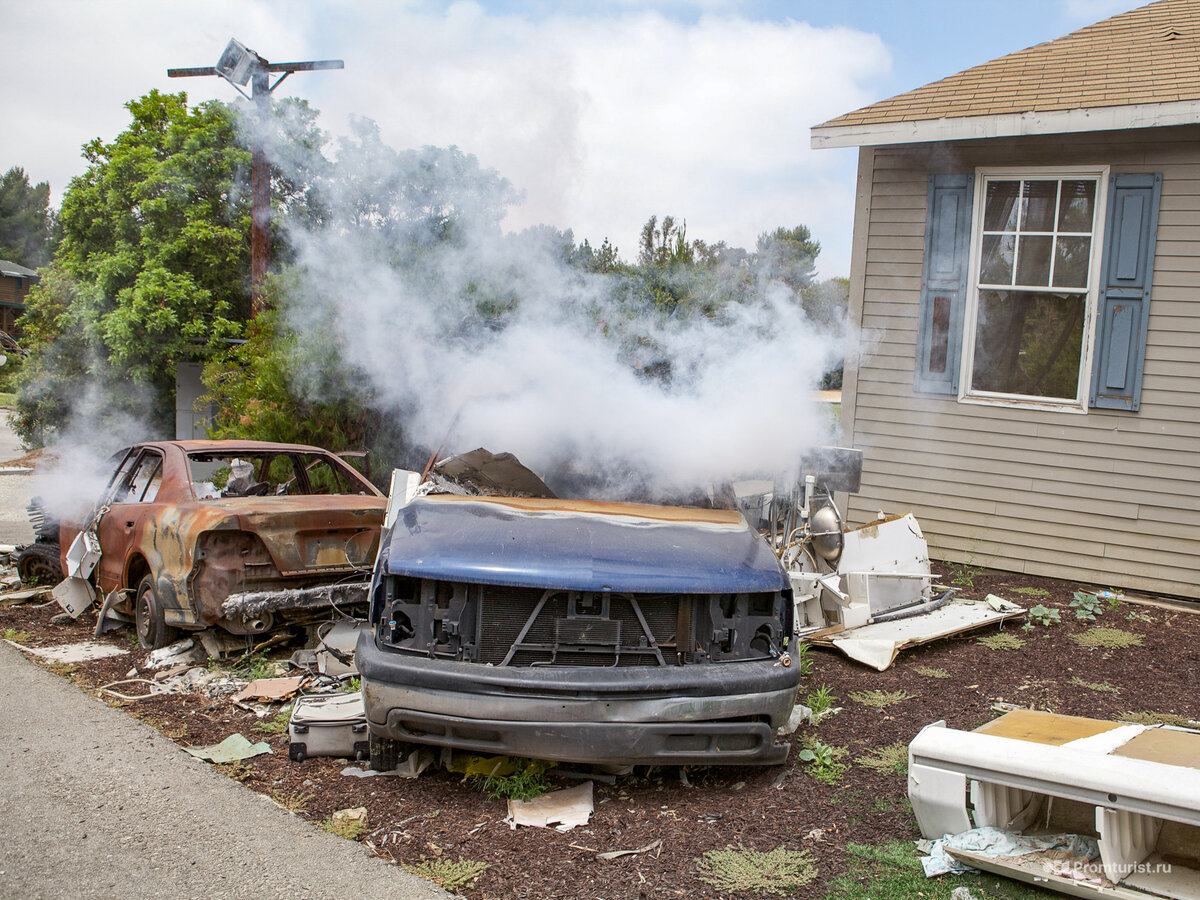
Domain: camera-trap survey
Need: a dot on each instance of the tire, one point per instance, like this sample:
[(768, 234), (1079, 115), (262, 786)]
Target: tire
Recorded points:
[(152, 630), (38, 563), (384, 752)]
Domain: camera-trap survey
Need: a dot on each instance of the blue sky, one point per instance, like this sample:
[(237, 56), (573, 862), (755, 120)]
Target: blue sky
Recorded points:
[(603, 116)]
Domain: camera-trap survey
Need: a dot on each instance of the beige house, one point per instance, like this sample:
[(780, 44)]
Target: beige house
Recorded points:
[(1026, 283)]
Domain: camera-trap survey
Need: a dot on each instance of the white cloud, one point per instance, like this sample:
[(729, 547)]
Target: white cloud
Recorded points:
[(602, 120)]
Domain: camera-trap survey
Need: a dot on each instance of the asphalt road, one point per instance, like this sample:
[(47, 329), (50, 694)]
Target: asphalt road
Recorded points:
[(93, 803)]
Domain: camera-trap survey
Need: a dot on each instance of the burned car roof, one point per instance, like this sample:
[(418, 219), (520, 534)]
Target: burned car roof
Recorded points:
[(581, 545)]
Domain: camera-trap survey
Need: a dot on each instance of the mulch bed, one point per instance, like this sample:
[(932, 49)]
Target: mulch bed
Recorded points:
[(437, 815)]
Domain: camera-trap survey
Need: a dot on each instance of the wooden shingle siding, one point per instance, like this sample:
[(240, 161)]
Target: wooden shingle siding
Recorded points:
[(1110, 497)]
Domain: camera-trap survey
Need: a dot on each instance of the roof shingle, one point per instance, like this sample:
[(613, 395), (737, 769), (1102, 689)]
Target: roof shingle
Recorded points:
[(1147, 55)]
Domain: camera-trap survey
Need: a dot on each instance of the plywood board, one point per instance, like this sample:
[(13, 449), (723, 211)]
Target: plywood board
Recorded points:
[(1164, 745), (1044, 727)]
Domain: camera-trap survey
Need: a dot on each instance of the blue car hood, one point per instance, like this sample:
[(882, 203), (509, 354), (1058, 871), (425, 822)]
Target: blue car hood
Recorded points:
[(580, 545)]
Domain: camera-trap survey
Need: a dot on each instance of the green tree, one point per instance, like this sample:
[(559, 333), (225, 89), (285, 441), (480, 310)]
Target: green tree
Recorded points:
[(152, 267), (788, 255), (26, 221)]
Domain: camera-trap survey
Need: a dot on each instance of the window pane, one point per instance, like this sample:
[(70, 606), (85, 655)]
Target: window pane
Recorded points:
[(1040, 198), (1000, 206), (996, 261), (1071, 256), (1028, 344), (939, 339), (1075, 208), (1033, 260)]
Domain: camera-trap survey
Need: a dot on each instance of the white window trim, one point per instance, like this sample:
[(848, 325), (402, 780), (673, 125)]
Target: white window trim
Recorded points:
[(967, 356)]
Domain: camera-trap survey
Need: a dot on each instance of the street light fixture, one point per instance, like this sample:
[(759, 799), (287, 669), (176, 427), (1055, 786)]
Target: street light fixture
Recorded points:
[(240, 65)]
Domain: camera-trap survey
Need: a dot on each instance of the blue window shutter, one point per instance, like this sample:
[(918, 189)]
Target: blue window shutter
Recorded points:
[(944, 285), (1125, 276)]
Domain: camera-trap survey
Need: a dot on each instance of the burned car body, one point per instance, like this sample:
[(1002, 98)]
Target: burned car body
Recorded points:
[(237, 534), (579, 631)]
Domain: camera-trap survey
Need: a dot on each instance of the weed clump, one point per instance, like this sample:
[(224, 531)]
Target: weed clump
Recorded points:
[(890, 760), (527, 782), (1102, 687), (823, 760), (277, 724), (880, 699), (449, 874), (930, 672), (1103, 638), (780, 871), (350, 827), (1001, 640)]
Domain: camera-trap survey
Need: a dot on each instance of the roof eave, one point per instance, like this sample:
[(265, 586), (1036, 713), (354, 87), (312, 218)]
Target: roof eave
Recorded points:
[(966, 128)]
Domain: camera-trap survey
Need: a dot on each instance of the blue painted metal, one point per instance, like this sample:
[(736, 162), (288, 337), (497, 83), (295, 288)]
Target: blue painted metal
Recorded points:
[(1126, 275), (486, 542), (947, 242)]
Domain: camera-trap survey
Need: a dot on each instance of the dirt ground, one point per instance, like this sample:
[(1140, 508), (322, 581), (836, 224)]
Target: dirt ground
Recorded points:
[(703, 809)]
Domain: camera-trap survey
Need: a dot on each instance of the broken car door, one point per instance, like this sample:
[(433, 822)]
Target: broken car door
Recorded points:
[(130, 499)]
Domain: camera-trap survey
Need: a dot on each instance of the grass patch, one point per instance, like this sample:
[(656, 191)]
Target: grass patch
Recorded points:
[(1102, 687), (930, 672), (1001, 640), (880, 699), (892, 871), (1103, 638), (890, 760), (1156, 718), (1031, 592), (780, 872), (448, 874), (277, 724), (527, 782), (7, 399), (18, 637)]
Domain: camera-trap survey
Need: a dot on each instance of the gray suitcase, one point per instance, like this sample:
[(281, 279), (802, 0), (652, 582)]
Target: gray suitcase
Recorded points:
[(328, 725)]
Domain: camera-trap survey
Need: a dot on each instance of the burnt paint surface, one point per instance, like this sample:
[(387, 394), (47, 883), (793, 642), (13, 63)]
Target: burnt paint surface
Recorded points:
[(584, 547), (290, 541)]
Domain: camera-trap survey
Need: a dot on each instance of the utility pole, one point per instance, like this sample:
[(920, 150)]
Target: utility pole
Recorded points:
[(240, 65)]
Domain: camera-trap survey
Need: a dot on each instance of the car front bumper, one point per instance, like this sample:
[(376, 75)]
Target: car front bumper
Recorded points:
[(700, 714)]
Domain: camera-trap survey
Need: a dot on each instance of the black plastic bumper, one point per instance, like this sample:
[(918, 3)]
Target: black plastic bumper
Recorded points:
[(716, 713)]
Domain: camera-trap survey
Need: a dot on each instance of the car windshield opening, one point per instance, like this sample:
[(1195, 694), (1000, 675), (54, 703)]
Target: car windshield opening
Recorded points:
[(272, 474)]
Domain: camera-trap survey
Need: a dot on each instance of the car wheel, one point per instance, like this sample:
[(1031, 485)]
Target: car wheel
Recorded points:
[(152, 630), (385, 753), (39, 564)]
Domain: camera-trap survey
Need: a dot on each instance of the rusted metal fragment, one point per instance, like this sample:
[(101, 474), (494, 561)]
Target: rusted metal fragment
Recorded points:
[(254, 604)]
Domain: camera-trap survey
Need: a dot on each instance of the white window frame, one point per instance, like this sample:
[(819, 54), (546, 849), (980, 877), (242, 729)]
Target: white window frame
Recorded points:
[(1091, 303)]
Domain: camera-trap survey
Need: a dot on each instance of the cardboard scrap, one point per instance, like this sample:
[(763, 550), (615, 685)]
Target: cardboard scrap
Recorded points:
[(233, 748), (270, 689), (562, 810)]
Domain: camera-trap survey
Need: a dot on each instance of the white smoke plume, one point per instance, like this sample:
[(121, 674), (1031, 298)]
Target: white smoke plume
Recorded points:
[(551, 372)]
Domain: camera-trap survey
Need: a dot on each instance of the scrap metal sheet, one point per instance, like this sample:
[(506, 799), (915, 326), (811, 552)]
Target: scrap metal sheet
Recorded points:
[(877, 645)]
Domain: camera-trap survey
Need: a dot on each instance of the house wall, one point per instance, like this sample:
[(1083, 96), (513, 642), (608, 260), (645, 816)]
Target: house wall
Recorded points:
[(1110, 497), (12, 302)]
